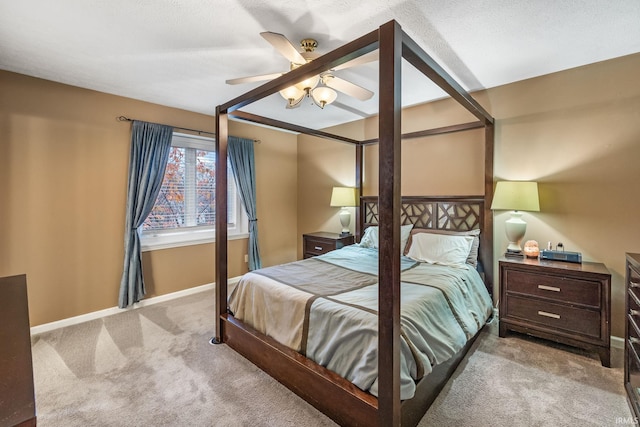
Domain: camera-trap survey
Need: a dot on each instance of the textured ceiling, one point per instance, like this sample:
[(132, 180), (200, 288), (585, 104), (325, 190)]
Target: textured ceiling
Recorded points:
[(180, 52)]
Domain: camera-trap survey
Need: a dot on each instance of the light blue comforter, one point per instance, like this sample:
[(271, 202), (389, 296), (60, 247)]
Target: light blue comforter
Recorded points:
[(326, 307), (441, 308)]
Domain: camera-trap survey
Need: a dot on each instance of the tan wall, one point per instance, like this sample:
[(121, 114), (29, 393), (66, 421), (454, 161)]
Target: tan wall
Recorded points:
[(63, 172), (576, 132), (450, 164), (63, 163), (276, 183), (323, 164)]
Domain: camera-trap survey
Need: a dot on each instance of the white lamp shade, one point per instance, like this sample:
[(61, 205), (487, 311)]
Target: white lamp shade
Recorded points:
[(516, 196), (323, 95), (292, 93), (309, 83), (343, 196)]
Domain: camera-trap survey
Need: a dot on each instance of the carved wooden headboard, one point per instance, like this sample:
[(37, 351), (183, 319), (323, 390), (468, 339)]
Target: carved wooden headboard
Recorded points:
[(441, 213), (453, 213)]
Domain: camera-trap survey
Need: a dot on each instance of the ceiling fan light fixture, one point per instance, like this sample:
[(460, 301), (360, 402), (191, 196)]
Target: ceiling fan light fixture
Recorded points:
[(292, 93), (323, 96), (295, 103), (308, 84)]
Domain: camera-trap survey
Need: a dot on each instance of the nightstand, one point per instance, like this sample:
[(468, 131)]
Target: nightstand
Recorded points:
[(321, 242), (559, 301)]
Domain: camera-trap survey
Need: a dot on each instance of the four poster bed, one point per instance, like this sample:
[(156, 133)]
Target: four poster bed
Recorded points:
[(357, 289)]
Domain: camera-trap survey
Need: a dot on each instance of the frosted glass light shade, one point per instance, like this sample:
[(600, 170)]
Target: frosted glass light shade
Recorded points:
[(292, 93), (309, 83), (323, 95)]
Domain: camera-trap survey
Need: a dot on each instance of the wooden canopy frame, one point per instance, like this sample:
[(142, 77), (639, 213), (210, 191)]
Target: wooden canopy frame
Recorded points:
[(393, 45)]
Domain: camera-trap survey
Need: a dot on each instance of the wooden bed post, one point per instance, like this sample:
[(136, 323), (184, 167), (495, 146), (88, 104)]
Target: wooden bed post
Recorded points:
[(222, 134), (487, 234), (334, 395), (389, 204), (359, 169)]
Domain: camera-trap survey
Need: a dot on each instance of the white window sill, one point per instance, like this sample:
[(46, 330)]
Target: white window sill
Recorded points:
[(167, 241)]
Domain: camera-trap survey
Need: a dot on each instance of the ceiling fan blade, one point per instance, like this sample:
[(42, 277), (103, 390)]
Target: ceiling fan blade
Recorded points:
[(252, 79), (346, 87), (350, 109), (284, 46), (364, 59)]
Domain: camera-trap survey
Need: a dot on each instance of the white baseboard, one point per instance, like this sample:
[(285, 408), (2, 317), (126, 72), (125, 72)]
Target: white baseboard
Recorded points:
[(46, 327), (617, 342)]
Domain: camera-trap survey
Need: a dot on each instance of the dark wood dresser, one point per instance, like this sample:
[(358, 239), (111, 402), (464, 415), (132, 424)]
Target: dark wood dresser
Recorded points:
[(560, 301), (321, 242), (17, 402), (632, 333)]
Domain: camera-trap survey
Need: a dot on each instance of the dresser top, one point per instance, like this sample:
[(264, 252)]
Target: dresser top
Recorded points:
[(589, 267), (634, 259)]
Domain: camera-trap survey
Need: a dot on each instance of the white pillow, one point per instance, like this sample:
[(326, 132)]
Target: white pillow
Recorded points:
[(472, 259), (440, 249), (370, 238), (405, 232)]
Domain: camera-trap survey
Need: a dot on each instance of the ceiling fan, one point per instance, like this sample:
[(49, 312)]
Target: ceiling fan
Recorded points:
[(321, 88)]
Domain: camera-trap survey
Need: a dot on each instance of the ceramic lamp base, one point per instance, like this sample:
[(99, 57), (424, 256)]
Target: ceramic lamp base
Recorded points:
[(515, 228), (345, 219)]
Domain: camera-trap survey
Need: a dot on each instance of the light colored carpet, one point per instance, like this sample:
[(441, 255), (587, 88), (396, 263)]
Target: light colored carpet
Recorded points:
[(154, 367)]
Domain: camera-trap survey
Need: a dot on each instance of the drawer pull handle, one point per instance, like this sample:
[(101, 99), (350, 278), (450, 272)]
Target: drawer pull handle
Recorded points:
[(547, 314), (317, 248), (634, 284), (548, 288), (634, 312)]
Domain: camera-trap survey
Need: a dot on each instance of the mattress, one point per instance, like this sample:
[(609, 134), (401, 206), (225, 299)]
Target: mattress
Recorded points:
[(326, 308)]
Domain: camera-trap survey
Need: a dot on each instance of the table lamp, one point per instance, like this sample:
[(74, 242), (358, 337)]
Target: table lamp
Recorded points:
[(516, 196), (344, 197)]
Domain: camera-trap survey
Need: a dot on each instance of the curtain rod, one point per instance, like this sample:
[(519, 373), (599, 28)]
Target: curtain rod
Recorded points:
[(200, 132)]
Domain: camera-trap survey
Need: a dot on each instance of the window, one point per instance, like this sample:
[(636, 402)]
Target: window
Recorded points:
[(184, 212)]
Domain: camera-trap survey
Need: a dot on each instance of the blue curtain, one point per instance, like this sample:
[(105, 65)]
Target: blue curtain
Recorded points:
[(150, 146), (243, 165)]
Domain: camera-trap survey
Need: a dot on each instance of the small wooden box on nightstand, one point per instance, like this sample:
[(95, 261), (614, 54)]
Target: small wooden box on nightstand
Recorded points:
[(560, 301), (321, 242)]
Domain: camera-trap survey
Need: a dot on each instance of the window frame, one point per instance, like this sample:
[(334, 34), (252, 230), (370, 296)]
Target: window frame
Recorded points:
[(151, 240)]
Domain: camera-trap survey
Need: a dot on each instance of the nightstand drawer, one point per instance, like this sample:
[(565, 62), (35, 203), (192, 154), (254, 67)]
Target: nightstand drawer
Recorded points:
[(318, 247), (321, 242), (557, 316), (563, 289)]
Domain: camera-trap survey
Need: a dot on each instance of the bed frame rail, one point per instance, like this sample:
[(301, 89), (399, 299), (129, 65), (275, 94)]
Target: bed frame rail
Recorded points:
[(327, 391)]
